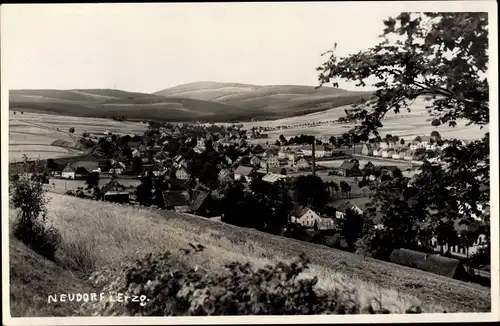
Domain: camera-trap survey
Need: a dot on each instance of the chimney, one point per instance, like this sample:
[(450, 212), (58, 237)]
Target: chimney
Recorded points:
[(314, 156)]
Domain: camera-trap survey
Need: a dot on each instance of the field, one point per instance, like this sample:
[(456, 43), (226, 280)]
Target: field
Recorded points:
[(100, 235), (267, 102), (406, 125), (48, 136)]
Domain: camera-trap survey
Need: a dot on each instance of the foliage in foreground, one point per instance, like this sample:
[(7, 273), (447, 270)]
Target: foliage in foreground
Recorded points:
[(169, 288), (27, 195)]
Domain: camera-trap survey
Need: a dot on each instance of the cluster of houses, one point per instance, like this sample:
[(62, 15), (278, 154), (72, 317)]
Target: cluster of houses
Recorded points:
[(416, 150)]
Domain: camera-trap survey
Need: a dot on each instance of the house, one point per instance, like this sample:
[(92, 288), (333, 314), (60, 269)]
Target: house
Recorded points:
[(177, 200), (324, 223), (350, 169), (367, 149), (283, 153), (136, 153), (408, 155), (181, 174), (399, 155), (243, 172), (377, 151), (224, 176), (68, 172), (255, 161), (435, 264), (117, 168), (293, 157), (302, 164), (272, 161), (228, 160), (388, 152), (198, 199), (121, 197), (103, 165), (200, 144), (273, 177), (304, 216)]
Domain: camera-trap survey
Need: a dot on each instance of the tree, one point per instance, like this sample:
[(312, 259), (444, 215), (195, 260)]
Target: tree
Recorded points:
[(333, 141), (136, 167), (282, 139), (277, 143), (435, 135), (443, 57), (71, 130), (92, 180), (435, 122), (283, 171), (351, 227), (310, 191), (402, 141)]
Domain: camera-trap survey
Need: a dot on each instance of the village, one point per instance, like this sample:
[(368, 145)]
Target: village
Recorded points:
[(191, 168)]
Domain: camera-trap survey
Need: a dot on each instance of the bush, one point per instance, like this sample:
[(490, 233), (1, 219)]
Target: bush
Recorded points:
[(28, 196), (159, 286)]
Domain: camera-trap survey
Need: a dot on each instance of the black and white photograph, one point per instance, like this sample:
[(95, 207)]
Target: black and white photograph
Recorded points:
[(249, 162)]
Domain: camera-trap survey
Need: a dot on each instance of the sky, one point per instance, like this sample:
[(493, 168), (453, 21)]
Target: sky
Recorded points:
[(150, 47)]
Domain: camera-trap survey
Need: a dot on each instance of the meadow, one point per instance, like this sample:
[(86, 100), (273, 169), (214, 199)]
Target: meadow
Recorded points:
[(47, 136), (102, 236), (406, 125)]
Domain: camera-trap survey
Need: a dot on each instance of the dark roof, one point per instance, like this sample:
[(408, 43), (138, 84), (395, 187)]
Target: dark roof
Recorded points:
[(103, 162), (87, 165), (68, 168), (133, 144), (243, 170), (428, 262), (299, 210), (112, 185), (199, 197), (176, 198), (346, 165)]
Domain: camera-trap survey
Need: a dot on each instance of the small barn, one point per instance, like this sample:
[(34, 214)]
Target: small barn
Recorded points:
[(436, 264), (68, 172), (121, 197), (350, 169)]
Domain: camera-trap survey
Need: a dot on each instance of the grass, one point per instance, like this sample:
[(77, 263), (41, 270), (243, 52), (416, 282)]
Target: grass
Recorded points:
[(407, 125), (99, 235)]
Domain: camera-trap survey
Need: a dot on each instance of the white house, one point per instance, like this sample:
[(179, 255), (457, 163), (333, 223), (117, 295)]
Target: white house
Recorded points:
[(387, 153), (377, 152), (255, 161), (68, 172), (305, 217), (243, 172), (136, 153), (117, 168), (181, 174), (302, 164)]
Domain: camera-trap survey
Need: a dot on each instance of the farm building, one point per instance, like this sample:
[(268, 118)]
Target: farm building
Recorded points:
[(224, 175), (68, 172), (271, 160), (304, 216), (117, 197), (436, 264), (350, 169), (377, 151), (367, 149), (243, 172), (177, 200)]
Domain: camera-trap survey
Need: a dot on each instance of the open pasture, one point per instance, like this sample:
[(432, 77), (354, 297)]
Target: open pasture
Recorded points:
[(406, 125)]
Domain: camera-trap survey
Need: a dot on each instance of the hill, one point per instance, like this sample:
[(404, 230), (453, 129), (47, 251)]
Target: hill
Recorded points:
[(267, 102), (102, 235), (106, 103)]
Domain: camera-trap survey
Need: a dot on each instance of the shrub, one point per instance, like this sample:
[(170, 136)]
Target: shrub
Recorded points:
[(158, 285), (28, 195)]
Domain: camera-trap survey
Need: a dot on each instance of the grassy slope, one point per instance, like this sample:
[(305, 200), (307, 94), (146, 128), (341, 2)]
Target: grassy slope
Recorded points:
[(33, 278), (103, 235), (268, 102)]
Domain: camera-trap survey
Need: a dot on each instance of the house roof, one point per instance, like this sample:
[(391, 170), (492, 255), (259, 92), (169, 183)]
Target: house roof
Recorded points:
[(69, 168), (87, 165), (199, 197), (427, 262), (300, 210), (273, 177), (243, 170), (346, 165), (176, 198), (112, 185)]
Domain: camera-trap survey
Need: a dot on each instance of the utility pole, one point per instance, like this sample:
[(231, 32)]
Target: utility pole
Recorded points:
[(314, 156)]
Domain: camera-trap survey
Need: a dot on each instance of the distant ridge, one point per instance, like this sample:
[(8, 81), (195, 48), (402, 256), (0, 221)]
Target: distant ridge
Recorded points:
[(198, 101)]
